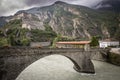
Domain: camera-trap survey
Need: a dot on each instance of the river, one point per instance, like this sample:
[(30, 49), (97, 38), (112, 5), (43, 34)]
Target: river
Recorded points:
[(57, 67)]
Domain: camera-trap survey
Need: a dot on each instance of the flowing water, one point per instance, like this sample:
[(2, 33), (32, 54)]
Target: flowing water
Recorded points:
[(56, 67)]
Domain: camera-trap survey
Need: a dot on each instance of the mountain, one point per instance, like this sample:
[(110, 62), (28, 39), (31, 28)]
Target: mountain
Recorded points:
[(77, 22), (110, 5), (4, 20)]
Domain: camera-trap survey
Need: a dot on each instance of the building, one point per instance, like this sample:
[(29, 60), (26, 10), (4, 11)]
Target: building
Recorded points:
[(74, 44), (104, 44)]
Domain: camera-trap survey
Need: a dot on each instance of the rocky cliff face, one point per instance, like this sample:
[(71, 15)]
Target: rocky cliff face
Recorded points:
[(70, 20)]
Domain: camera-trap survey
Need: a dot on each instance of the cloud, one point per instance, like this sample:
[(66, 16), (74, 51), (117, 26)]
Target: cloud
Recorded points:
[(113, 5), (8, 7), (88, 3)]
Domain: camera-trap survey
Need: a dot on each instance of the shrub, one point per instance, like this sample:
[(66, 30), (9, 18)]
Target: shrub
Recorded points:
[(94, 41), (3, 42)]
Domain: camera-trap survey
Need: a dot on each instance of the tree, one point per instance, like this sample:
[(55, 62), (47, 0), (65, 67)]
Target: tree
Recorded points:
[(58, 38), (94, 41), (25, 42), (11, 40), (3, 42)]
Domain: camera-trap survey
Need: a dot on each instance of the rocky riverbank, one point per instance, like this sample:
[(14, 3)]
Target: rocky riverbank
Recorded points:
[(114, 56)]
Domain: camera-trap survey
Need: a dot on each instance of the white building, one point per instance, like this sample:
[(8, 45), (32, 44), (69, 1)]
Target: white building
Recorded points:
[(104, 44)]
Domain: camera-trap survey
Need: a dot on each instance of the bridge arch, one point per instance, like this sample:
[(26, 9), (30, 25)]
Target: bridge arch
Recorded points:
[(75, 65)]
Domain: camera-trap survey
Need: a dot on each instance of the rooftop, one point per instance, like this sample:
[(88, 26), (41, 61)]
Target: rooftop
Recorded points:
[(74, 42), (108, 41)]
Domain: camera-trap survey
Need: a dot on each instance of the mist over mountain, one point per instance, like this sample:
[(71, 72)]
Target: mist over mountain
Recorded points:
[(111, 5)]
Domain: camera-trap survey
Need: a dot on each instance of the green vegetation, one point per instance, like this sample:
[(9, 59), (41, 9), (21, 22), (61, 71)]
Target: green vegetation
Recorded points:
[(3, 42), (40, 35), (94, 41), (43, 35), (48, 28), (13, 35), (117, 34), (114, 58), (61, 38), (56, 40), (14, 24)]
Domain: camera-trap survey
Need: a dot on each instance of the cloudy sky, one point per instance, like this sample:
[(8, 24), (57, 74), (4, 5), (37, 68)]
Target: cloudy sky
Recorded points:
[(9, 7)]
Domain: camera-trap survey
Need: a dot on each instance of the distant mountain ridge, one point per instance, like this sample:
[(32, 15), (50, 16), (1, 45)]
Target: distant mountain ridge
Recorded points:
[(69, 20), (110, 5)]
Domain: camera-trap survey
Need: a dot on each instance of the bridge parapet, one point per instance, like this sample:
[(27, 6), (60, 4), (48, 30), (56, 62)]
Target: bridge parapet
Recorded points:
[(25, 51)]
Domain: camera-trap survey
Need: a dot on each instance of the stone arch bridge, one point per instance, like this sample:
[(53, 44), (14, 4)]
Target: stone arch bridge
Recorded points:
[(14, 60)]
